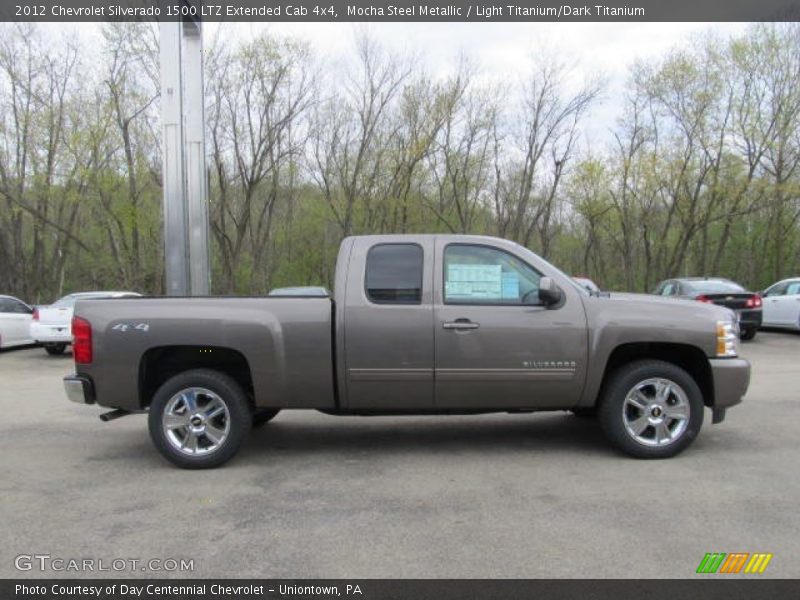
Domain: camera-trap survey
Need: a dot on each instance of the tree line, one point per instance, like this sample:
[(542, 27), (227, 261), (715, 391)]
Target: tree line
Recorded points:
[(700, 176)]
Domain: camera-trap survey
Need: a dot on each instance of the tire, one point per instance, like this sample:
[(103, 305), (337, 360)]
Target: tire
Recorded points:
[(55, 349), (747, 334), (263, 416), (659, 436), (219, 420)]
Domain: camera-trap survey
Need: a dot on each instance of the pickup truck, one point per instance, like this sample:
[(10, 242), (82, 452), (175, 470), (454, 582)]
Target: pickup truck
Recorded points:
[(418, 324)]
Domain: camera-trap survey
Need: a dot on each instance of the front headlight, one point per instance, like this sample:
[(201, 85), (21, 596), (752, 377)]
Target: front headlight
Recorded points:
[(727, 338)]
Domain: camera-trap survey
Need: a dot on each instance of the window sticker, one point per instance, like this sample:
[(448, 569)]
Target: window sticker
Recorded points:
[(471, 282), (510, 285)]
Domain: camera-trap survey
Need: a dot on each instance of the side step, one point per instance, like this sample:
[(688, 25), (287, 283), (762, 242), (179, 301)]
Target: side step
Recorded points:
[(114, 414)]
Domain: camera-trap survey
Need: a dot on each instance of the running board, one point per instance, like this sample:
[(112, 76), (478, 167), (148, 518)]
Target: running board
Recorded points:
[(114, 414)]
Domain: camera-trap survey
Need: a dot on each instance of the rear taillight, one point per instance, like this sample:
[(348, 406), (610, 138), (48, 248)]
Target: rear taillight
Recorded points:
[(702, 298), (35, 314), (753, 301), (81, 341)]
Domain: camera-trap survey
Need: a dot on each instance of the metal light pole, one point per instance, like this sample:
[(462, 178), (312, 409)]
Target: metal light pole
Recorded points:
[(184, 159)]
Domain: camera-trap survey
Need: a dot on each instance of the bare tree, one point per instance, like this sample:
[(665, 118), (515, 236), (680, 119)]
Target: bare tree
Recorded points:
[(544, 142)]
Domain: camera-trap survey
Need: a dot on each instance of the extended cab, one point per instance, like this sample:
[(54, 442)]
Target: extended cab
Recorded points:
[(434, 324)]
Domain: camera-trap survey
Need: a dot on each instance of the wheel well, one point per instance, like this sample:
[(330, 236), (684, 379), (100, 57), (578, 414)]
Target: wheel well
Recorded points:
[(690, 358), (160, 364)]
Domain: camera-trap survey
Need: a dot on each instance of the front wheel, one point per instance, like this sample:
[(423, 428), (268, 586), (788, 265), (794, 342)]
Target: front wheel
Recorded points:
[(651, 409), (198, 419)]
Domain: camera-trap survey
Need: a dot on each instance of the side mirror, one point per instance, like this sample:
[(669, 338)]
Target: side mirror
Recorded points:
[(549, 292)]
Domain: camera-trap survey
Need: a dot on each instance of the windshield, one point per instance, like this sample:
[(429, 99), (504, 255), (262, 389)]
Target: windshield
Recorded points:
[(574, 283), (714, 287)]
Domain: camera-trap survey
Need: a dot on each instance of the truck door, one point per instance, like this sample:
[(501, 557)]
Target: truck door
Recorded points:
[(388, 324), (496, 345)]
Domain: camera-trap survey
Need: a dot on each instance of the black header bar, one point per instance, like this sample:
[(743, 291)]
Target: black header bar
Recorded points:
[(400, 10), (709, 588)]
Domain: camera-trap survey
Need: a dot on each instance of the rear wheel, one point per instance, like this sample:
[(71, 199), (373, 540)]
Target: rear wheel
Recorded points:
[(748, 333), (55, 349), (198, 419), (651, 409)]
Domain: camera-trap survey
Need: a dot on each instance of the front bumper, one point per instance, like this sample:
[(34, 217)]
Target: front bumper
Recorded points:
[(51, 333), (79, 389), (731, 377)]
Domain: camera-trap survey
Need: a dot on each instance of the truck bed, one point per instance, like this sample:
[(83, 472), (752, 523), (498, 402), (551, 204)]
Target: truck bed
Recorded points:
[(285, 341)]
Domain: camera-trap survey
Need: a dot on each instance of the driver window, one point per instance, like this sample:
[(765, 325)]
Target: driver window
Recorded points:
[(793, 289), (669, 289), (777, 290), (21, 309), (483, 275)]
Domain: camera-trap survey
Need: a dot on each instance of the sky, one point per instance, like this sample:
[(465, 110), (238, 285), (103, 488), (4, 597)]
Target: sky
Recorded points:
[(502, 50), (507, 50)]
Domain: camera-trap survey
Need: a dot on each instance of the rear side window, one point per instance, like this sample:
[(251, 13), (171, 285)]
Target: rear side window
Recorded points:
[(394, 274)]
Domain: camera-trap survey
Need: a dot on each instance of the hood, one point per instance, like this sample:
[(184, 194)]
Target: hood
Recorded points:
[(683, 306)]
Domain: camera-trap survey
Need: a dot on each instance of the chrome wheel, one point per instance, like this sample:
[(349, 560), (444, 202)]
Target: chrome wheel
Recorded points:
[(656, 412), (196, 421)]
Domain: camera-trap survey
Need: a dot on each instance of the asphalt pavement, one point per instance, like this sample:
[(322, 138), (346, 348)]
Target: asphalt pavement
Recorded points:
[(310, 495)]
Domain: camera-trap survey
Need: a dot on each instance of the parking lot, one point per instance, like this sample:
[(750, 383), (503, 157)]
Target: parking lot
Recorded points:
[(482, 496)]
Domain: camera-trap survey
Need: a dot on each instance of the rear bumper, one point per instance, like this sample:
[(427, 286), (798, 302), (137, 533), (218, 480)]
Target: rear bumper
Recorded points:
[(731, 379), (79, 389), (749, 318), (51, 333)]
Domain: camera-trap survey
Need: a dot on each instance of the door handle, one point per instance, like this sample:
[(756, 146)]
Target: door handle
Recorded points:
[(460, 324)]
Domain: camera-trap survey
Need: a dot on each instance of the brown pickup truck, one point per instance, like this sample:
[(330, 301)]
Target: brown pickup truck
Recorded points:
[(418, 324)]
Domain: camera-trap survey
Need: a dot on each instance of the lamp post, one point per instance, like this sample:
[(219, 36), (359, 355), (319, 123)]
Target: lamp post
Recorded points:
[(184, 165)]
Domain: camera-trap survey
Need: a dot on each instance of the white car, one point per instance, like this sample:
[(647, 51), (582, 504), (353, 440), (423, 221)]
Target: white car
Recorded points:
[(15, 322), (52, 325), (781, 304)]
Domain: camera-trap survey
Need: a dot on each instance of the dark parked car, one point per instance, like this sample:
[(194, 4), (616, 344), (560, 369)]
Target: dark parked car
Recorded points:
[(722, 292)]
